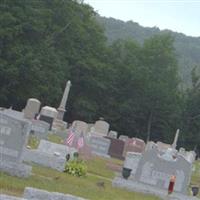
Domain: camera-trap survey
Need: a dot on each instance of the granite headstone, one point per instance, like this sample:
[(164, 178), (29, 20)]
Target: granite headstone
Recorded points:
[(13, 138)]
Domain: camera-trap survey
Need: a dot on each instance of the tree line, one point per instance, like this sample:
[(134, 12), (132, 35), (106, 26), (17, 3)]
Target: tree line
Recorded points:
[(135, 87)]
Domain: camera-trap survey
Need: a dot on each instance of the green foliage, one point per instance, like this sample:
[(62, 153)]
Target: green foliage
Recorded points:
[(54, 181), (33, 142), (55, 138), (132, 85), (187, 48), (76, 167)]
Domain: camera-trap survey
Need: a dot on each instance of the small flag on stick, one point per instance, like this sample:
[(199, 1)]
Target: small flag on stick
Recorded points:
[(70, 138), (80, 142)]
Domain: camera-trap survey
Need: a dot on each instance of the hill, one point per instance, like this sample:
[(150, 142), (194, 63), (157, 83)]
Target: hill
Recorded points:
[(187, 48)]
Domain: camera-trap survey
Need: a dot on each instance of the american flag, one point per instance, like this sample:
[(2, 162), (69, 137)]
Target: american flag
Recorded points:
[(80, 142), (134, 142), (70, 138)]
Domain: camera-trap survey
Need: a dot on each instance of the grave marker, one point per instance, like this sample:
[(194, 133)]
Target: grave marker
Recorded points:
[(13, 137), (99, 145)]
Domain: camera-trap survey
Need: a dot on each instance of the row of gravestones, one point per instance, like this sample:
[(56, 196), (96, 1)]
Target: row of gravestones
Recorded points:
[(14, 134), (151, 171), (104, 143), (116, 148), (33, 194)]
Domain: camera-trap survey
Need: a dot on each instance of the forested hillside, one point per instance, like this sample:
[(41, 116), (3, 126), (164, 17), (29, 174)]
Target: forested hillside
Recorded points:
[(187, 48), (134, 86)]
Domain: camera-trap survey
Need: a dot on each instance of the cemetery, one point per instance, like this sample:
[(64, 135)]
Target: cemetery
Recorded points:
[(37, 147)]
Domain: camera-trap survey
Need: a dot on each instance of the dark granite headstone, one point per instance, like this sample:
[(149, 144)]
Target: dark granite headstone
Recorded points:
[(116, 148), (134, 145)]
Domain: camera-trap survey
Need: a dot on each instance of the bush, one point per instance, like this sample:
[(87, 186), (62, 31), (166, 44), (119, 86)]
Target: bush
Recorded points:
[(76, 168)]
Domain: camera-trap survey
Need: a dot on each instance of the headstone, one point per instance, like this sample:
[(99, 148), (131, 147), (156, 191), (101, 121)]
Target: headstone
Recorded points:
[(123, 137), (131, 161), (99, 146), (112, 134), (151, 145), (48, 114), (13, 137), (52, 148), (32, 108), (163, 146), (49, 154), (155, 170), (80, 126), (40, 129), (14, 113), (8, 197), (116, 148), (38, 194), (61, 133), (190, 156), (90, 125), (101, 127), (134, 145), (85, 152)]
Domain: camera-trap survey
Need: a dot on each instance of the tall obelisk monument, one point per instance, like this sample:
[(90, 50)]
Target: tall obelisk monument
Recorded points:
[(61, 110), (175, 139)]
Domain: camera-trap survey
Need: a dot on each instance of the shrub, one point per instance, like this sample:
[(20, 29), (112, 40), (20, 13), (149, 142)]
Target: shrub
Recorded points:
[(76, 168)]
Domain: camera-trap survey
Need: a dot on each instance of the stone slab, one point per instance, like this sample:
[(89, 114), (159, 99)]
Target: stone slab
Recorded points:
[(147, 189), (53, 148), (44, 159), (37, 194), (8, 197), (99, 145), (155, 169), (15, 169), (39, 129), (13, 137)]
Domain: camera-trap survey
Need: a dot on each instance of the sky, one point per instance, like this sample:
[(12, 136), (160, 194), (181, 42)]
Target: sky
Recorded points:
[(177, 15)]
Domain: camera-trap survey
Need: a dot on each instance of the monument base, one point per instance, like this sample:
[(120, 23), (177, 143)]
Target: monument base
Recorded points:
[(44, 159), (59, 125), (147, 189), (15, 169)]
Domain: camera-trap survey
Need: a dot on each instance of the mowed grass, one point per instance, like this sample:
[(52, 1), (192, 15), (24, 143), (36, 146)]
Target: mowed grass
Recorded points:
[(196, 176), (86, 187)]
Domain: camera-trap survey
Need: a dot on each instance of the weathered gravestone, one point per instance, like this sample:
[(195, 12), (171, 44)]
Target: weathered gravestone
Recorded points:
[(85, 152), (49, 154), (123, 137), (155, 170), (100, 146), (80, 126), (163, 146), (116, 148), (101, 127), (112, 134), (32, 108), (59, 150), (39, 129), (14, 113), (131, 162), (48, 114), (13, 137)]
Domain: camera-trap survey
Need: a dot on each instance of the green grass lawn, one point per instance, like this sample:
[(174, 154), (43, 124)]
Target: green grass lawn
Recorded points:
[(196, 175), (87, 187)]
